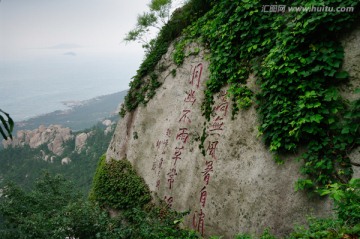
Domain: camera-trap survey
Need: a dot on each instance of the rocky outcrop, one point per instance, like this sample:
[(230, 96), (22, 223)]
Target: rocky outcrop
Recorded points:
[(107, 122), (53, 136), (46, 157), (109, 126), (66, 160), (80, 141), (220, 169), (229, 181)]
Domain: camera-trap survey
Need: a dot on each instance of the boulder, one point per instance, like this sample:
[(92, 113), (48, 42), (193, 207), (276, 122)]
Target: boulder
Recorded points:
[(66, 160), (80, 141), (107, 122)]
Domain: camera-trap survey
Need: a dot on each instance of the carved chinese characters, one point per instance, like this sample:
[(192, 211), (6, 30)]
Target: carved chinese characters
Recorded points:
[(176, 139), (214, 131), (175, 148)]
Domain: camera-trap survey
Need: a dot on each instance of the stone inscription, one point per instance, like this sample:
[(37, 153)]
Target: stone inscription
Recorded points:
[(214, 131)]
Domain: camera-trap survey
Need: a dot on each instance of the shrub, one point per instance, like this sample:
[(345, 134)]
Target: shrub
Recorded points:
[(116, 185)]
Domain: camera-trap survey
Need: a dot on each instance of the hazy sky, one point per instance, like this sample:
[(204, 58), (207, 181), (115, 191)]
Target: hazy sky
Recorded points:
[(97, 26), (46, 43)]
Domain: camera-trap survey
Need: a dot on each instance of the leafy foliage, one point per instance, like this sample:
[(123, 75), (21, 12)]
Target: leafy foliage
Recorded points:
[(7, 125), (347, 207), (51, 210), (116, 185), (158, 16), (54, 210), (296, 59), (141, 88), (347, 200), (156, 222), (325, 228), (266, 235), (242, 96)]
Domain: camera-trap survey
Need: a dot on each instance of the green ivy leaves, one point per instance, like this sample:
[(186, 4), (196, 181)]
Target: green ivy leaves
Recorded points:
[(297, 60)]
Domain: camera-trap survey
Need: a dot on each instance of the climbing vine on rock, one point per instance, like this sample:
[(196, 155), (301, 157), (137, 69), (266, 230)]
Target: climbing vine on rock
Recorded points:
[(296, 58), (143, 89)]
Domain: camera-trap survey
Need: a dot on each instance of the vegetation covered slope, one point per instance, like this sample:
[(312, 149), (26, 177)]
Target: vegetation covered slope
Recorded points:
[(143, 89), (53, 209), (23, 165)]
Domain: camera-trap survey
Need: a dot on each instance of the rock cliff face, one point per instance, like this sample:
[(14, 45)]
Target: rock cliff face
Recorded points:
[(351, 44), (229, 179), (80, 141), (54, 136)]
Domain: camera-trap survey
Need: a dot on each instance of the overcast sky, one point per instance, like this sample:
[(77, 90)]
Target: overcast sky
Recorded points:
[(96, 26), (48, 46)]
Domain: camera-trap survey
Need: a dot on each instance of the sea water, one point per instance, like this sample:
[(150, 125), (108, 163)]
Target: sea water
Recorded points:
[(31, 87)]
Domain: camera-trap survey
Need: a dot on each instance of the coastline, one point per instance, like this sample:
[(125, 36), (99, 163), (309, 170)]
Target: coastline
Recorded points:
[(79, 115)]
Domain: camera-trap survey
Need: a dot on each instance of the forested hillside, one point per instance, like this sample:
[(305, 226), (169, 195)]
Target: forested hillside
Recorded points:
[(23, 165)]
